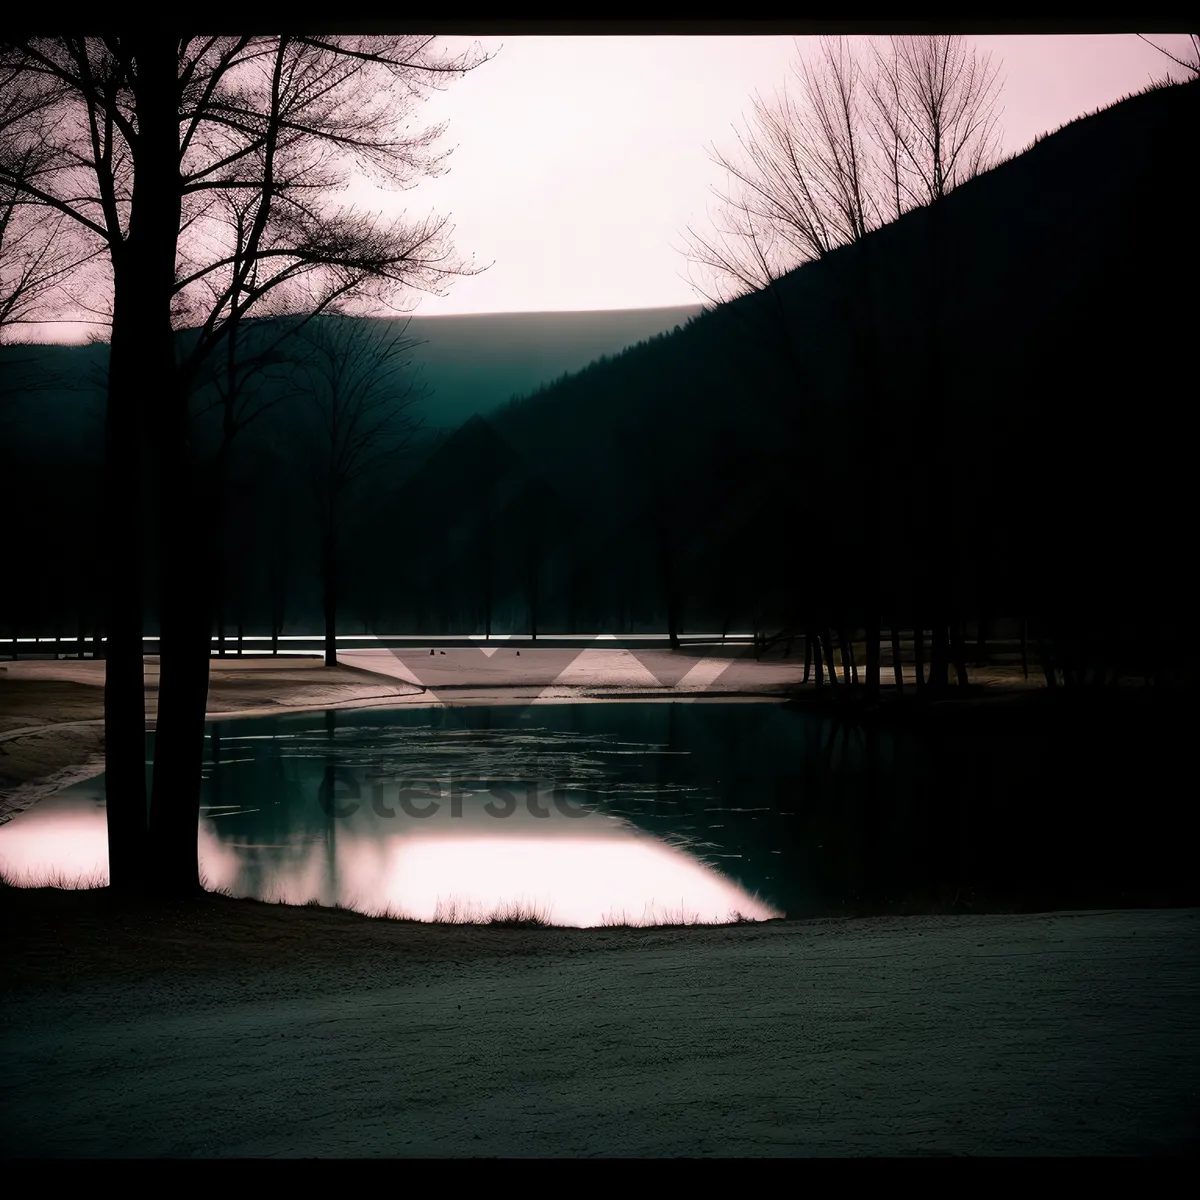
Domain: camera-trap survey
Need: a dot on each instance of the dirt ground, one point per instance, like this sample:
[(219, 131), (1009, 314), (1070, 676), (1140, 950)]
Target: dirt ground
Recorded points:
[(223, 1027)]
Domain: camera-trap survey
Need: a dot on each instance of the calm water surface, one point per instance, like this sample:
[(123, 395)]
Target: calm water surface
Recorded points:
[(586, 814)]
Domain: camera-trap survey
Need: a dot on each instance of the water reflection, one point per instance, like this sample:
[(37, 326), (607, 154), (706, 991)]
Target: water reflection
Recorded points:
[(434, 822), (583, 813)]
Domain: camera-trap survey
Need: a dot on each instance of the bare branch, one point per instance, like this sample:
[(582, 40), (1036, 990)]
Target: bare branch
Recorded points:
[(273, 125), (1191, 65)]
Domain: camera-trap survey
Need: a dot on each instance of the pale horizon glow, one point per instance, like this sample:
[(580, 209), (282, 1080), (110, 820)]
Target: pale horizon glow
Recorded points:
[(578, 161)]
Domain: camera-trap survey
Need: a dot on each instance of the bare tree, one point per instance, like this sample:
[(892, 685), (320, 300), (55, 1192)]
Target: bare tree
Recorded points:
[(934, 116), (205, 168), (33, 262), (33, 257), (1190, 63), (804, 182), (803, 169), (862, 139), (358, 381), (935, 123), (37, 253)]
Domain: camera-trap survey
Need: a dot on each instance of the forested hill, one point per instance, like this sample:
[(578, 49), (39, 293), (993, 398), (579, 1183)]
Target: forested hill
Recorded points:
[(1059, 355), (1083, 220), (467, 364)]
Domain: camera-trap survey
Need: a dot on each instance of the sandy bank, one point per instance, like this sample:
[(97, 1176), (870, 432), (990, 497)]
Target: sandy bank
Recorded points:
[(51, 711)]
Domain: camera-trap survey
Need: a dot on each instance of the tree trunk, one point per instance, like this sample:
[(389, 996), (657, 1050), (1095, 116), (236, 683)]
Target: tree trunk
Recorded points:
[(874, 635), (122, 537), (220, 575), (808, 655), (184, 560), (241, 609), (919, 656), (829, 660), (1047, 660), (818, 665), (276, 585), (958, 653), (897, 662), (329, 596), (874, 468), (934, 408), (939, 658), (669, 588), (487, 581), (844, 648), (533, 595), (186, 646)]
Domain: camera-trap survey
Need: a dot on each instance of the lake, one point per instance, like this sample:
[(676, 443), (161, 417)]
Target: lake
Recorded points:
[(643, 813)]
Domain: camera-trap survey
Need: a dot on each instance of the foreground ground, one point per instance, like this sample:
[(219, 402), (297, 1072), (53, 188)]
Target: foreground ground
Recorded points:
[(222, 1027)]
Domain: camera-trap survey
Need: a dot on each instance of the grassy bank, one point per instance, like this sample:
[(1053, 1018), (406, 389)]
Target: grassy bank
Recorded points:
[(65, 934)]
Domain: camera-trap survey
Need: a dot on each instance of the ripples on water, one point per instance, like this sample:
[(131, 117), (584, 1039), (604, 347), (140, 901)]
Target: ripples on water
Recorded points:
[(511, 822), (586, 813)]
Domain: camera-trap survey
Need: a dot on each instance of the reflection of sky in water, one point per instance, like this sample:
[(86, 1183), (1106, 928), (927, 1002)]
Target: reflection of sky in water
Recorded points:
[(692, 810), (564, 851)]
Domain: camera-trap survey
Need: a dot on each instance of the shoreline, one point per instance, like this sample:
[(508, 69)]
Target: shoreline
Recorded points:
[(39, 757), (107, 935)]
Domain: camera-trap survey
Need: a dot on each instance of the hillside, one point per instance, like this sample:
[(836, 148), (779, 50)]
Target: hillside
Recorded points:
[(1060, 363), (475, 362), (468, 364)]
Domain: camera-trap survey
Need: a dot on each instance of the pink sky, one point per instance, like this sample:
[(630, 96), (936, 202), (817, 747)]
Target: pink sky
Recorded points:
[(579, 160)]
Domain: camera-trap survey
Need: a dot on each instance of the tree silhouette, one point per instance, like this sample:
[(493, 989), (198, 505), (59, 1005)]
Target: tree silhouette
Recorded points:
[(934, 116), (935, 123), (1191, 64), (863, 139), (36, 256), (203, 167), (803, 183), (357, 380)]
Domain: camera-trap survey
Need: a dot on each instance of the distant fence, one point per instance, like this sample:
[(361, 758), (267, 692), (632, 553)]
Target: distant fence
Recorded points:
[(999, 650), (314, 644)]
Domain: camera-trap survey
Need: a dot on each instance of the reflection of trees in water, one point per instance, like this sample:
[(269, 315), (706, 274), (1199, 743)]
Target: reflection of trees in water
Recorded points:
[(259, 804), (331, 874), (810, 816)]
